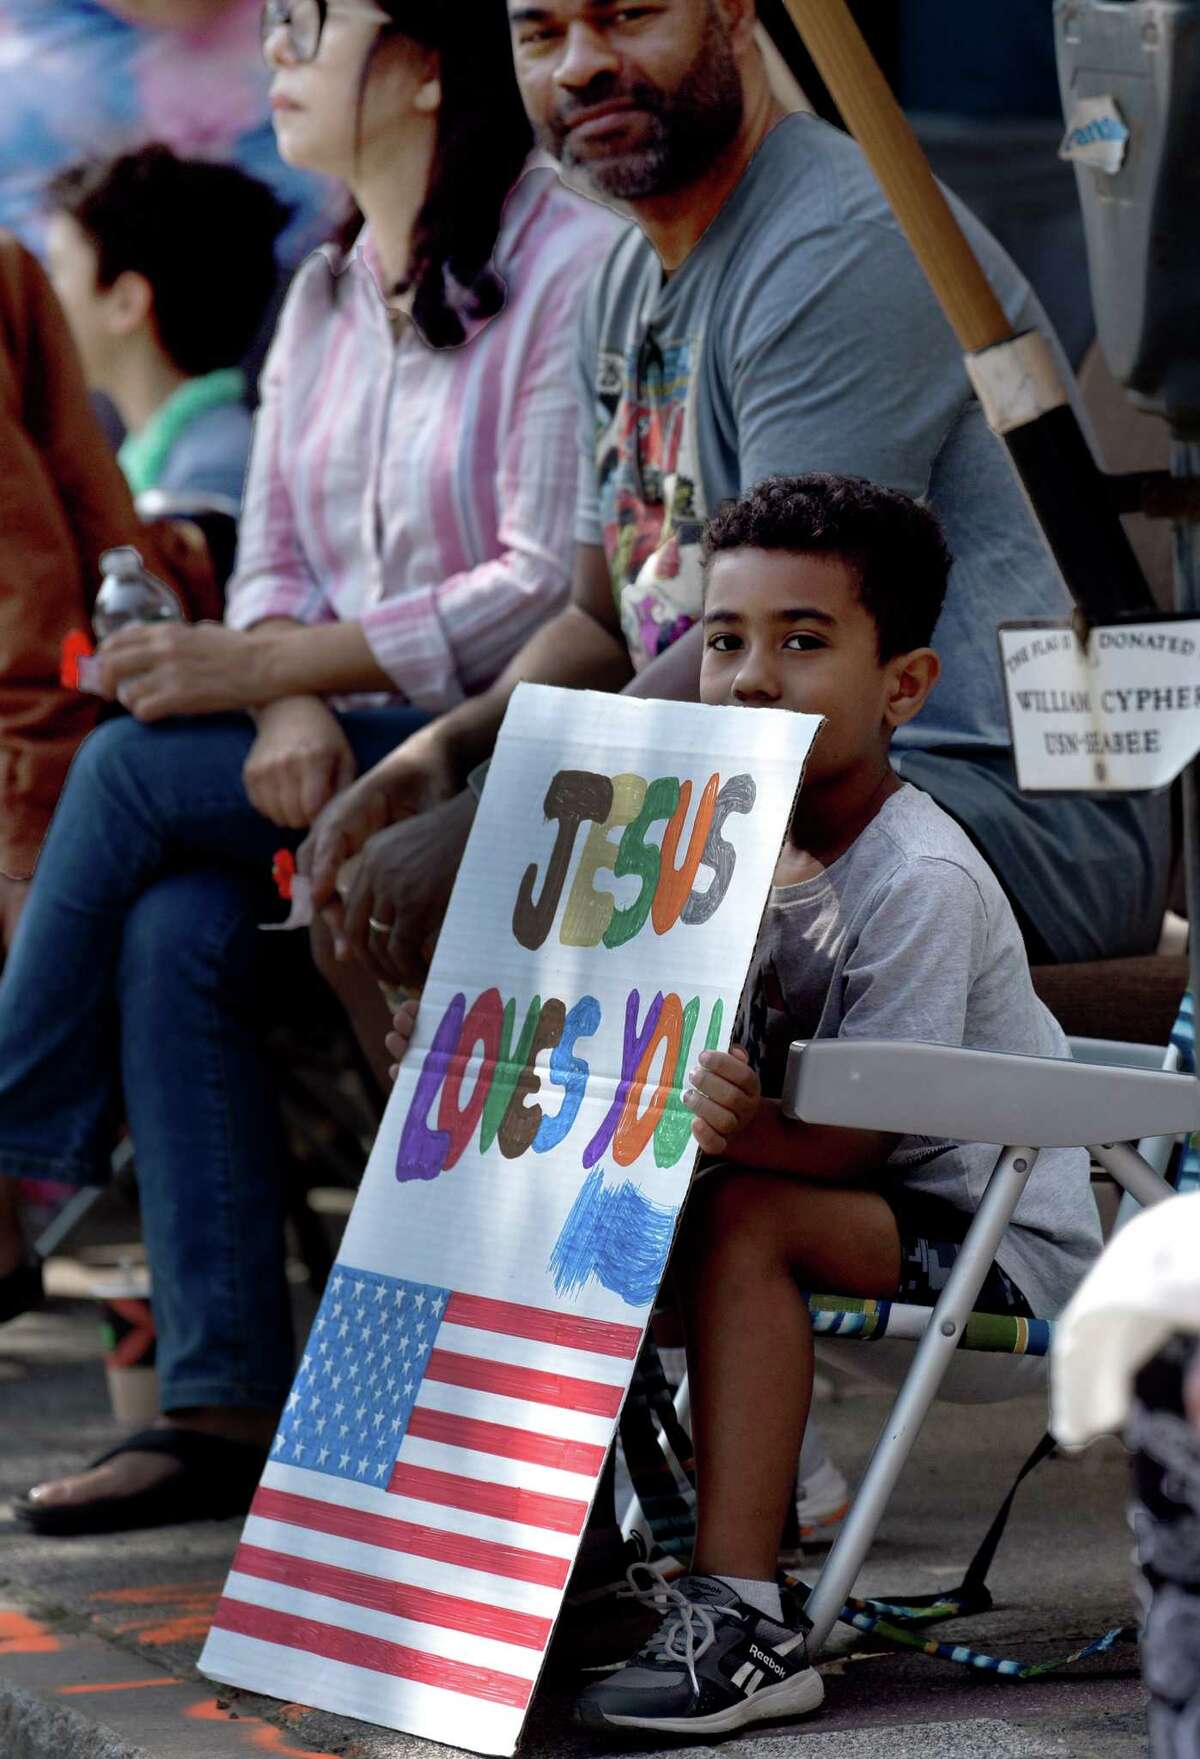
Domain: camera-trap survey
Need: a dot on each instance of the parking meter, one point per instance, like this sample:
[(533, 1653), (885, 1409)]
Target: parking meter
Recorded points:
[(1129, 72)]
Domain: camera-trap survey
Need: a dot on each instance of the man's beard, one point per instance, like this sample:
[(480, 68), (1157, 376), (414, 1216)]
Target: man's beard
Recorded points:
[(689, 126)]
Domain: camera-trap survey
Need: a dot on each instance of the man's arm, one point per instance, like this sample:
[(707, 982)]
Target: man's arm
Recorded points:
[(675, 675), (581, 648)]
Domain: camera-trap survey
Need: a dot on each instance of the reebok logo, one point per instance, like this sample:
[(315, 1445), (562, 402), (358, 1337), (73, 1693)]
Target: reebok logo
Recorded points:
[(768, 1661)]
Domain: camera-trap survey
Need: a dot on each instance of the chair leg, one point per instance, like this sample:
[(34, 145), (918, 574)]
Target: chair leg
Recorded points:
[(1134, 1175), (933, 1357)]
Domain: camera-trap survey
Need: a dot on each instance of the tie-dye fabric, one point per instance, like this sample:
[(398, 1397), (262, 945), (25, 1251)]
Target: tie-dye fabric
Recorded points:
[(76, 81)]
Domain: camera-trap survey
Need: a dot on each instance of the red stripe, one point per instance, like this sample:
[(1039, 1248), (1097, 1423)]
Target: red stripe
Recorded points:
[(511, 1444), (550, 1328), (400, 1599), (524, 1383), (375, 1654), (503, 1501), (392, 1535)]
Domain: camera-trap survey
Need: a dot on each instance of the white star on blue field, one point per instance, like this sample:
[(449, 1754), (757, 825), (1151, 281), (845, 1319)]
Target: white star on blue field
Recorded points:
[(355, 1388)]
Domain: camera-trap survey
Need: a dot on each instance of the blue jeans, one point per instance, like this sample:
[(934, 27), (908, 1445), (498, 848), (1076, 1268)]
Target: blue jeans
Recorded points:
[(132, 989)]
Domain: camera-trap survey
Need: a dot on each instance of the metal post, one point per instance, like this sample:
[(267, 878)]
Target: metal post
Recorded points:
[(930, 1362), (1185, 461), (1132, 1173)]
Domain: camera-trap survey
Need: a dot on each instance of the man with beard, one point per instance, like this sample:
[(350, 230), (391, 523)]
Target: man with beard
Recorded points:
[(764, 317)]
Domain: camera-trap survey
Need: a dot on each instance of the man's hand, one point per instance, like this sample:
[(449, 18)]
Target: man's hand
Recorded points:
[(408, 781), (400, 890), (160, 669), (404, 1022), (299, 762), (724, 1097)]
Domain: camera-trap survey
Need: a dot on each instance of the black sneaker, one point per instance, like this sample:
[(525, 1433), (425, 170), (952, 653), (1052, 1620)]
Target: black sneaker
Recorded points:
[(714, 1665)]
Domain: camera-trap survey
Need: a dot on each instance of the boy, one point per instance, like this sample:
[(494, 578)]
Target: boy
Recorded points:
[(166, 268), (821, 597)]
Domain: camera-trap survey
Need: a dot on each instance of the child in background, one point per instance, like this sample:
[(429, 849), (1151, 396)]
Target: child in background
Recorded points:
[(885, 922), (166, 269)]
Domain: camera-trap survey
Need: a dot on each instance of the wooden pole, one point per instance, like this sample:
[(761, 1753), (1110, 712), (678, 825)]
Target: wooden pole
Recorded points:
[(1016, 377)]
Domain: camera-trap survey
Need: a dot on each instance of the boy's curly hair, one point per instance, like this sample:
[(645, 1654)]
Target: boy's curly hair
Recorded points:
[(893, 544)]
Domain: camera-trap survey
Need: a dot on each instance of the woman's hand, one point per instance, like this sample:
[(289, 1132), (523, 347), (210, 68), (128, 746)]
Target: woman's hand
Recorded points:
[(299, 761), (404, 1022), (160, 669), (724, 1096)]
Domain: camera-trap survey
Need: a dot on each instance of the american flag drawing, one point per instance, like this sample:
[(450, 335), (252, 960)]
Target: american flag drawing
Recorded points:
[(407, 1550)]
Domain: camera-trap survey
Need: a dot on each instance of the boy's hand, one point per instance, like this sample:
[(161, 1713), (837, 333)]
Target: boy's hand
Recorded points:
[(404, 1022), (724, 1095)]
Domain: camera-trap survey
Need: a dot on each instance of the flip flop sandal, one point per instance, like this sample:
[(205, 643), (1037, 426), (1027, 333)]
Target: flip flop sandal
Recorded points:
[(217, 1479), (20, 1290)]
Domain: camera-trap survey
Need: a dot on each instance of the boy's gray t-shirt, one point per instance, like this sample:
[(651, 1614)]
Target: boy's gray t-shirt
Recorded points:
[(908, 936)]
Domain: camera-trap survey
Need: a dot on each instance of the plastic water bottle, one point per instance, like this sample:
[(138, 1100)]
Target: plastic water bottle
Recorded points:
[(129, 593)]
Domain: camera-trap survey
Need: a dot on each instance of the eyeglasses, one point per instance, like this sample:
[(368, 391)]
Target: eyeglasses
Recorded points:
[(304, 21)]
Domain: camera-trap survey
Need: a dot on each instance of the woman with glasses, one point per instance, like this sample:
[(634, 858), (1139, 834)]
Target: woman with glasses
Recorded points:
[(407, 523)]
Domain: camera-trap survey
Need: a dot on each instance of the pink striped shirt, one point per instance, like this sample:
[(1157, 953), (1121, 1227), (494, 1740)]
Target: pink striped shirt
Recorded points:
[(425, 493)]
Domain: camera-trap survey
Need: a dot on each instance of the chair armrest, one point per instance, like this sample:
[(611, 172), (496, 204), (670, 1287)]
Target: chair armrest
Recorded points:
[(982, 1096)]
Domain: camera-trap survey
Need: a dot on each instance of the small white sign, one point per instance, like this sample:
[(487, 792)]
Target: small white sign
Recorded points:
[(1120, 714), (1096, 135)]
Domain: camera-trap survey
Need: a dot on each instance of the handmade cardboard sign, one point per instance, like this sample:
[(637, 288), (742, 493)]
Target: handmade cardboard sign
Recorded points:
[(1117, 714), (408, 1548)]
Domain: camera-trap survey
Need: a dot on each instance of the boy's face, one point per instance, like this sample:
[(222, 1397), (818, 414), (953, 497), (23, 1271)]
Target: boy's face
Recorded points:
[(786, 630)]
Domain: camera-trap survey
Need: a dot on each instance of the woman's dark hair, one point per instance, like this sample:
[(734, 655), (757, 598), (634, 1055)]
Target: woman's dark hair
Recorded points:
[(483, 140), (892, 544), (203, 235)]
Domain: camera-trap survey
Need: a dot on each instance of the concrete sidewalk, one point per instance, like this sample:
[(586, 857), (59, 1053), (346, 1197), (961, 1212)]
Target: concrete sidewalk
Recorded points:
[(99, 1637)]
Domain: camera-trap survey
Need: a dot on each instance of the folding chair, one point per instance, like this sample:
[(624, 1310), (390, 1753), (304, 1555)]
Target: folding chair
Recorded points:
[(1028, 1103)]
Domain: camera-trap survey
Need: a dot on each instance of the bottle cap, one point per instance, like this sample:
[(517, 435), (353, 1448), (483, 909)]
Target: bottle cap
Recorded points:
[(123, 560)]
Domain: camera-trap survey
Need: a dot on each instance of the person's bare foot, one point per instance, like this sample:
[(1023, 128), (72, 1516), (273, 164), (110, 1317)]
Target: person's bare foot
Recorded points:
[(131, 1473)]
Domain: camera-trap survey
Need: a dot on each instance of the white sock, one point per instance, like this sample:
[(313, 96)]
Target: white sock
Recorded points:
[(813, 1452), (762, 1596)]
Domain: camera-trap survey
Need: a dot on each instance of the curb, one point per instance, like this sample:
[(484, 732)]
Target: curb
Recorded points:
[(32, 1728)]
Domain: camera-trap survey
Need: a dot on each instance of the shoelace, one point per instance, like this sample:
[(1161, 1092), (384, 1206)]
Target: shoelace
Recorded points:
[(683, 1620)]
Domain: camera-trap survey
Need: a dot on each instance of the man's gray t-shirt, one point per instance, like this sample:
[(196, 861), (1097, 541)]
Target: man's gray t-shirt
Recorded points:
[(908, 936), (800, 334)]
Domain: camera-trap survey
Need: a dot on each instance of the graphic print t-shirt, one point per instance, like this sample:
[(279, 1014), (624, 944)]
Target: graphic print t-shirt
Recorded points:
[(800, 335)]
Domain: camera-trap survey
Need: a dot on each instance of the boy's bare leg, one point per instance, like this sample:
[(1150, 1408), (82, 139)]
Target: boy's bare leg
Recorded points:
[(751, 1243)]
